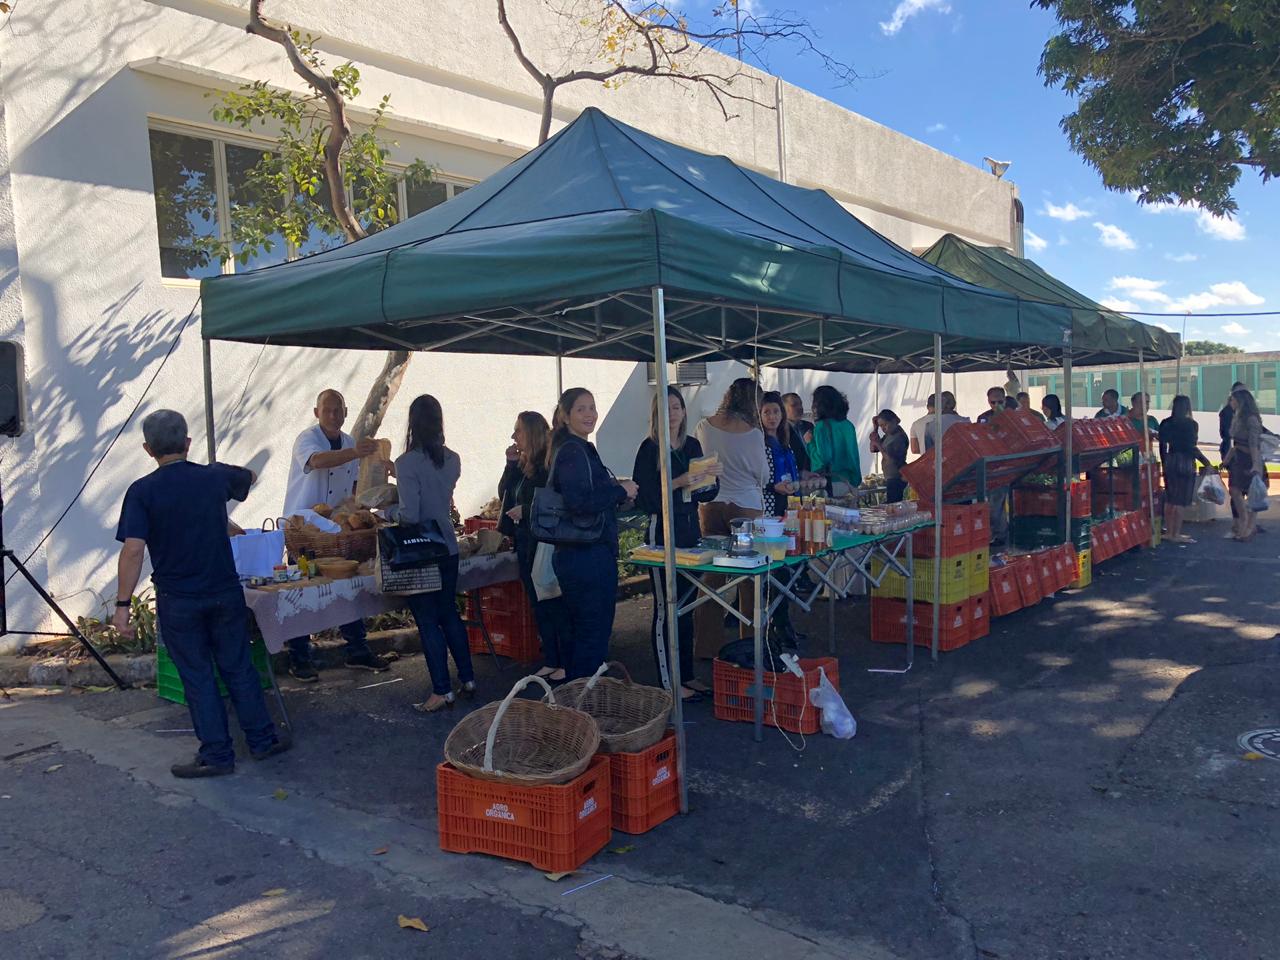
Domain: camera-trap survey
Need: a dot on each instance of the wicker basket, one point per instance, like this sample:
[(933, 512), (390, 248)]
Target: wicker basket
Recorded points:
[(631, 717), (525, 742), (349, 544)]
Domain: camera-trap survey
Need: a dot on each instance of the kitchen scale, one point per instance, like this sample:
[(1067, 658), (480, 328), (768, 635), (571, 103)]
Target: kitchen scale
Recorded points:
[(745, 561), (742, 553)]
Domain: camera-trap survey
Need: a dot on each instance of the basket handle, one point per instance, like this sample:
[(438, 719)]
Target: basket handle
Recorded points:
[(274, 521), (502, 708), (604, 668)]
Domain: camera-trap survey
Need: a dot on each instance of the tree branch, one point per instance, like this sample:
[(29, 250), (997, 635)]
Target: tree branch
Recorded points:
[(339, 129)]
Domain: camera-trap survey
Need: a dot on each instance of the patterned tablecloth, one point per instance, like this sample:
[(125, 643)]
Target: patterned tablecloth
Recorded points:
[(310, 608)]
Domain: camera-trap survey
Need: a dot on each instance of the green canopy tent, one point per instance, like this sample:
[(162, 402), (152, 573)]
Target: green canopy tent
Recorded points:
[(608, 243)]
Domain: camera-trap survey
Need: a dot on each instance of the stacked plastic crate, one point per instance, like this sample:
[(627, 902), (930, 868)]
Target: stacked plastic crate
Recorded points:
[(962, 592)]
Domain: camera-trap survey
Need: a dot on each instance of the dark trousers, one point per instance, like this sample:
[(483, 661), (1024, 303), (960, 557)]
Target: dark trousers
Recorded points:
[(686, 592), (893, 490), (441, 629), (353, 633), (589, 588), (549, 615), (199, 634)]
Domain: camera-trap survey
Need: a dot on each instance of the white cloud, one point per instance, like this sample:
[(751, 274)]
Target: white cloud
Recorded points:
[(907, 9), (1140, 288), (1140, 293), (1233, 293), (1112, 236), (1164, 326), (1034, 241), (1068, 213), (1220, 228), (1118, 305), (1234, 329), (935, 128), (1181, 257), (1062, 240)]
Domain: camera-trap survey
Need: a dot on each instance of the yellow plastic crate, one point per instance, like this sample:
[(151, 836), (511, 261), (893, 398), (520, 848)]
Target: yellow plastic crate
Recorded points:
[(979, 571), (1084, 565)]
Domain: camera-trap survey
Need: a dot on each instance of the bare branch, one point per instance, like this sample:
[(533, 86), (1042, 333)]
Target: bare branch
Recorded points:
[(339, 129)]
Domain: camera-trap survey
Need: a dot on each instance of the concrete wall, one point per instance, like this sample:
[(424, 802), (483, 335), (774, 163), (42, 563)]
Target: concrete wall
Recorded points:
[(82, 290)]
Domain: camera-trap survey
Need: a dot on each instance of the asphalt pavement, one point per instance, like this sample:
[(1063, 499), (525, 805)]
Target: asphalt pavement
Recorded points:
[(1069, 787)]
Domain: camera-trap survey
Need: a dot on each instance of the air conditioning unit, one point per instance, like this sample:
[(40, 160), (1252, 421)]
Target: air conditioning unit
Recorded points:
[(679, 374)]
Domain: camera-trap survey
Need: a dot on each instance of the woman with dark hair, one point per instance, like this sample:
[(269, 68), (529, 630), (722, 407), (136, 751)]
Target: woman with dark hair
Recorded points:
[(891, 442), (1244, 461), (588, 572), (1051, 407), (733, 435), (525, 472), (427, 473), (784, 472), (833, 451), (1179, 451), (685, 497)]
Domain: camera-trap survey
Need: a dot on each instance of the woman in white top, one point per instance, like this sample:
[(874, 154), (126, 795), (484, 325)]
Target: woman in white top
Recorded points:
[(733, 434), (1051, 407)]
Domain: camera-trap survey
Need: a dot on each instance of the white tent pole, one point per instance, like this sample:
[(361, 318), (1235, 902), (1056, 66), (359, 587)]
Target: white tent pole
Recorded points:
[(1146, 446), (209, 438), (559, 376), (668, 534), (937, 489)]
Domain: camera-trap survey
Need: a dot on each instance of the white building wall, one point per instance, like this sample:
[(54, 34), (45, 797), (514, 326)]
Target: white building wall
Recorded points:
[(81, 80)]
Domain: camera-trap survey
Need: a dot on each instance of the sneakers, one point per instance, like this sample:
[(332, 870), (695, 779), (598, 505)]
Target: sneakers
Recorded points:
[(283, 742), (303, 672), (197, 768), (368, 661)]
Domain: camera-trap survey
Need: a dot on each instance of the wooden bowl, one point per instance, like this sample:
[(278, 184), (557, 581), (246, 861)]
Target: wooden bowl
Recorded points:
[(336, 568)]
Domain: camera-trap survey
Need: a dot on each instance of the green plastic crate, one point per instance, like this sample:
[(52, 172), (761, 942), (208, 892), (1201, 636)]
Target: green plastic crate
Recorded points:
[(169, 684), (1031, 533)]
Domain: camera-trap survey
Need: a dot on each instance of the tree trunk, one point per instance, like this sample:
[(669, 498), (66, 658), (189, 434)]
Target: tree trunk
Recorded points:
[(544, 129), (381, 393)]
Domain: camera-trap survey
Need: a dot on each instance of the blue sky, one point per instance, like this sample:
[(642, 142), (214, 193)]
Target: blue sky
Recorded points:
[(961, 76)]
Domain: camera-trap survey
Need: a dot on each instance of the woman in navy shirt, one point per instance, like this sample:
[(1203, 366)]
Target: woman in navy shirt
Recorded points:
[(588, 573)]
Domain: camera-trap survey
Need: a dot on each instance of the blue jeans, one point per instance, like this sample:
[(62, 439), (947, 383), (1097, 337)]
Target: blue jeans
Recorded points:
[(549, 615), (893, 490), (198, 634), (441, 629), (589, 588), (353, 633)]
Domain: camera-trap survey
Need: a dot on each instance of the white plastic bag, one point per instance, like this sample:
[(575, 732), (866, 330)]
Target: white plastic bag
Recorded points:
[(1257, 497), (1211, 489), (837, 721), (256, 552), (545, 583)]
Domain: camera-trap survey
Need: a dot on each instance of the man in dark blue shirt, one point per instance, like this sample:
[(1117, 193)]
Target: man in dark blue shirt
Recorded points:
[(178, 514)]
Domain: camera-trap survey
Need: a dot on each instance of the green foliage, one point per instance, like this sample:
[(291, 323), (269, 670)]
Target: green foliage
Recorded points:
[(1203, 348), (1173, 96), (284, 196), (628, 539), (98, 630)]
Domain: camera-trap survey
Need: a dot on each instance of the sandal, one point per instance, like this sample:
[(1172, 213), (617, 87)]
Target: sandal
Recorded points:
[(435, 703), (697, 686), (546, 672), (689, 695), (553, 678), (469, 689)]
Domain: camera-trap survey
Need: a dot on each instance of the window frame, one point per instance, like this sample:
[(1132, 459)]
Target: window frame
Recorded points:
[(221, 138)]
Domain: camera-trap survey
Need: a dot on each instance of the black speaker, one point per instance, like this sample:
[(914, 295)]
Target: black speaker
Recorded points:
[(13, 389)]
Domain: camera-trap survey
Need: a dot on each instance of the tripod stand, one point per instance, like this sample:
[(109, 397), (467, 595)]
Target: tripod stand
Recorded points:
[(8, 556)]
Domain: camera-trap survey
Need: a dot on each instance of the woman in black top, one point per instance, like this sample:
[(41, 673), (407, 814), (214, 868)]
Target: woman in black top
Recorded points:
[(647, 473), (526, 471), (890, 441), (1179, 452), (588, 572)]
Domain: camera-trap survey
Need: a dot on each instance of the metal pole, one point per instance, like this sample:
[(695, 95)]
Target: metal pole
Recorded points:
[(211, 442), (937, 490), (782, 129), (668, 534), (560, 376), (1146, 446), (1069, 464)]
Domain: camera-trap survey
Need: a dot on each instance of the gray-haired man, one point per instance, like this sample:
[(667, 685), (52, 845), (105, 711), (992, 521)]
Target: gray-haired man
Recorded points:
[(178, 513)]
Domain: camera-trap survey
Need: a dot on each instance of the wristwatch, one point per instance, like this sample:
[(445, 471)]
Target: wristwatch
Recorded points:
[(125, 603)]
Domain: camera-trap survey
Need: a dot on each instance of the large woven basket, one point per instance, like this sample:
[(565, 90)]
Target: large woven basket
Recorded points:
[(631, 717), (524, 742), (349, 544)]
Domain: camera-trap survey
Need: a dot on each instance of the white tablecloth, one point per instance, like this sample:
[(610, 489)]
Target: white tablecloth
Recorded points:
[(308, 609)]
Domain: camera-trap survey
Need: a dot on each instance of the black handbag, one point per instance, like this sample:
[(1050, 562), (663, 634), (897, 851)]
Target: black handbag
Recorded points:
[(409, 558), (550, 521)]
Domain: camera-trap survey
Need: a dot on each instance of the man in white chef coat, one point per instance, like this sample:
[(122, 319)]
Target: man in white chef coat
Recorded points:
[(324, 468)]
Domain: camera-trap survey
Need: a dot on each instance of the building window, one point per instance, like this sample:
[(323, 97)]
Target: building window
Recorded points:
[(201, 189)]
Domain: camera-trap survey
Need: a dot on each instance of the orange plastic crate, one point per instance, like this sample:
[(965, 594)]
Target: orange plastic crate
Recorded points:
[(1005, 598), (1065, 565), (472, 524), (786, 696), (646, 786), (979, 526), (554, 828), (979, 617), (508, 616), (1035, 502), (963, 444), (956, 534), (1045, 570), (889, 623), (1028, 575)]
